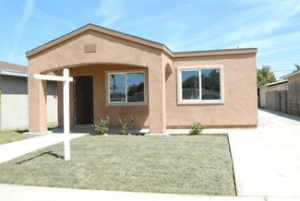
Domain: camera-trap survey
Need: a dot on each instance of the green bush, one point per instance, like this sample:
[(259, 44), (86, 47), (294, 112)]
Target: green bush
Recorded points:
[(101, 126), (126, 124), (196, 128)]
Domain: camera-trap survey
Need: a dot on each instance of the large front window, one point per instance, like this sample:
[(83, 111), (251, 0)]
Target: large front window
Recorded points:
[(200, 85), (126, 87)]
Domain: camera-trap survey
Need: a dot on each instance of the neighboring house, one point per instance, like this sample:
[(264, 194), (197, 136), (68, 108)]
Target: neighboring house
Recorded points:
[(275, 86), (293, 93), (14, 98), (120, 75)]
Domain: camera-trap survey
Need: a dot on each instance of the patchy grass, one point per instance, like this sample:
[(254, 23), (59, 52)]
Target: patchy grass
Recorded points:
[(181, 165), (11, 136)]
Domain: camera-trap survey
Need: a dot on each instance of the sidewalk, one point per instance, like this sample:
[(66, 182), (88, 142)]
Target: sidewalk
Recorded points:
[(29, 193), (15, 149)]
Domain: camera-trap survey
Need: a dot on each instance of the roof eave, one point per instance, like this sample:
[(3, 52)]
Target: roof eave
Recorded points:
[(92, 27), (215, 52), (13, 73)]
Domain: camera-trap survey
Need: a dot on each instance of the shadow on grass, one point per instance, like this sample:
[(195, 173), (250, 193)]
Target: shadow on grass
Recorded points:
[(21, 131), (49, 153)]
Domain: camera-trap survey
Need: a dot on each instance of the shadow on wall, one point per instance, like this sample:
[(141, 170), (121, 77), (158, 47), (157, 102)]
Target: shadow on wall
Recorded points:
[(281, 114)]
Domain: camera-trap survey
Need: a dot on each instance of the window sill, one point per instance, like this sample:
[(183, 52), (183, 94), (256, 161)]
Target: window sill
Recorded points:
[(218, 102), (126, 104)]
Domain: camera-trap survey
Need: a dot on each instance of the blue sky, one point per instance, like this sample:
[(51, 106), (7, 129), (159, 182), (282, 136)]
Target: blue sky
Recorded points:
[(273, 26)]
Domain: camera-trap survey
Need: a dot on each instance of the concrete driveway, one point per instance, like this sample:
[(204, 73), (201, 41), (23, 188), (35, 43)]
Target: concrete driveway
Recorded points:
[(267, 159)]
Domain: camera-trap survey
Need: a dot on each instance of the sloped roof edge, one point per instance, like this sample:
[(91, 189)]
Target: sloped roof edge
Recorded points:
[(274, 83), (12, 67), (135, 39), (290, 75)]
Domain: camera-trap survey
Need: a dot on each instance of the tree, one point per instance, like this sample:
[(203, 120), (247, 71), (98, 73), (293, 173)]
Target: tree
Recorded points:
[(265, 76)]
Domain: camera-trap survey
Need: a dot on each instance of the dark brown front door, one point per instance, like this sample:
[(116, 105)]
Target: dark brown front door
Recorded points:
[(84, 104)]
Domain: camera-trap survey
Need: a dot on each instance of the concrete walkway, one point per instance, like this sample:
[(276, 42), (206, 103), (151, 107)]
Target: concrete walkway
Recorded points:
[(15, 149), (267, 159)]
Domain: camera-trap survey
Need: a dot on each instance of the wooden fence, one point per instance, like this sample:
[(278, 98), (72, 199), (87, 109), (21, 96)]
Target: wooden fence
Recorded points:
[(294, 98)]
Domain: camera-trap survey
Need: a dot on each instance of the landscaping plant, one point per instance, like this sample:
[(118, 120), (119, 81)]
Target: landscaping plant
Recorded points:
[(101, 126), (196, 128), (126, 124)]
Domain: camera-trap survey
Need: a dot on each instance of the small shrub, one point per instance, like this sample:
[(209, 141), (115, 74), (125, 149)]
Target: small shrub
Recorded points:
[(101, 126), (196, 128), (126, 124)]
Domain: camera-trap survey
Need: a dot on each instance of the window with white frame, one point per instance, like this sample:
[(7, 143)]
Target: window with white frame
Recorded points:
[(200, 84), (126, 87)]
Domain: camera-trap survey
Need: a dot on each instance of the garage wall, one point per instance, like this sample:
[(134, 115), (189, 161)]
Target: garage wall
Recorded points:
[(14, 103), (262, 95)]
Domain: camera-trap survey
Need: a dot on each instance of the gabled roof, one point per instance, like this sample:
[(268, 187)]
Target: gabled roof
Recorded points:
[(135, 39), (13, 69)]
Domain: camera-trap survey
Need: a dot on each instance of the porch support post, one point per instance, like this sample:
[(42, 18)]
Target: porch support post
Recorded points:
[(37, 104), (157, 100), (66, 80)]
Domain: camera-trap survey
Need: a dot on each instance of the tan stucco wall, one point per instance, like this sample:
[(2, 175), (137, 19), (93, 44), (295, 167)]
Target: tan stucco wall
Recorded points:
[(162, 110), (101, 109), (110, 50), (240, 107)]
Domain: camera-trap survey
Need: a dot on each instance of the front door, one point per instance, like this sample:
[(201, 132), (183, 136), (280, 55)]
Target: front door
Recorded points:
[(83, 104)]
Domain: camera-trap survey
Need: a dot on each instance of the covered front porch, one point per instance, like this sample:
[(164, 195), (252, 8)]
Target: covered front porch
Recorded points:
[(101, 90)]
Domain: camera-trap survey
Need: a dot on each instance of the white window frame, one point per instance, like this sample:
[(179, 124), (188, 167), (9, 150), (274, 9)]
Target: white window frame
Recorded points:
[(199, 68), (107, 81)]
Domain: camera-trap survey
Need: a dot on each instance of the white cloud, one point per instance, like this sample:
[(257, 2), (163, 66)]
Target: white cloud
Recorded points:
[(27, 12), (257, 20), (111, 10), (177, 29), (52, 20)]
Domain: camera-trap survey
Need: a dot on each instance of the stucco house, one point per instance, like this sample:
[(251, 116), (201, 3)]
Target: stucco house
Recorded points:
[(14, 98), (117, 74)]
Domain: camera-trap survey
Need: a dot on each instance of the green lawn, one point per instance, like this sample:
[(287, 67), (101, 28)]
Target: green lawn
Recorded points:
[(181, 165), (11, 136)]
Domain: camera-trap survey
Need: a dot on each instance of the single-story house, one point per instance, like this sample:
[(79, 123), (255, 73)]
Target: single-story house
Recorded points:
[(14, 98), (119, 75), (281, 85)]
